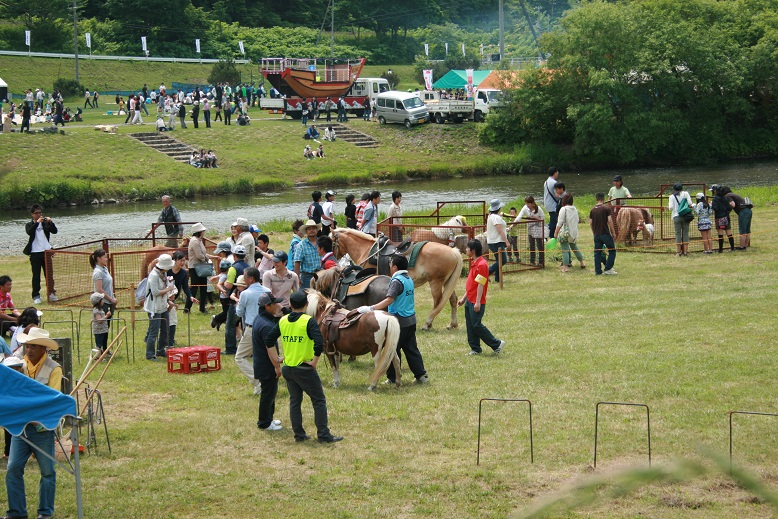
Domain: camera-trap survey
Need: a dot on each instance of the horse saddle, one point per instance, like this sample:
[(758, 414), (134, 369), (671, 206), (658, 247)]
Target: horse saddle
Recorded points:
[(334, 322), (354, 281), (385, 250)]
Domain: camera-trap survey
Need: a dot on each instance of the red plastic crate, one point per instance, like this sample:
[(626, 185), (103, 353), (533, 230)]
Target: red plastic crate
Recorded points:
[(195, 359)]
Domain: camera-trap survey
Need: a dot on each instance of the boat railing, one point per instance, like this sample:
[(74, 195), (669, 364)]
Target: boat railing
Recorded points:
[(333, 72)]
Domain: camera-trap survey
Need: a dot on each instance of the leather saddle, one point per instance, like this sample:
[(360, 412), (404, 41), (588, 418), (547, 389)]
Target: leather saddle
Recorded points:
[(385, 250), (336, 320)]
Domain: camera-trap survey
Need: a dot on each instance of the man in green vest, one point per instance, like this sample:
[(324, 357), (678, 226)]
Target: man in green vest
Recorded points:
[(303, 344)]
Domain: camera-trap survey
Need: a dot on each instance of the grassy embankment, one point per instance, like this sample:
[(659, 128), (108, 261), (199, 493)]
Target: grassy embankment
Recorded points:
[(691, 337)]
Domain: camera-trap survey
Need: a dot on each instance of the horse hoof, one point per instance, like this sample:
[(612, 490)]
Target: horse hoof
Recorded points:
[(370, 388), (452, 326)]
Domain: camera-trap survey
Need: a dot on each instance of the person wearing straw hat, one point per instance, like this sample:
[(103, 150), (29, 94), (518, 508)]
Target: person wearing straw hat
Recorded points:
[(156, 305), (38, 366), (198, 256), (496, 237), (306, 255)]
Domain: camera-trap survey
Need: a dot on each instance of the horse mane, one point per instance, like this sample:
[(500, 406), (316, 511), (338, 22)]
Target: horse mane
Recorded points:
[(325, 280), (623, 223)]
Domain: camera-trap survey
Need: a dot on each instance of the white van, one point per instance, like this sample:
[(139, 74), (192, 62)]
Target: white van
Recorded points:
[(401, 107)]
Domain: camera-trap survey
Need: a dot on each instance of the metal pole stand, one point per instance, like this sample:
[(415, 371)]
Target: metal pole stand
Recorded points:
[(755, 413), (95, 414), (596, 424), (480, 408)]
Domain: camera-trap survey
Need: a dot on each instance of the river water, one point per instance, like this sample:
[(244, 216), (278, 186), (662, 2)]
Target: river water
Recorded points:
[(132, 220)]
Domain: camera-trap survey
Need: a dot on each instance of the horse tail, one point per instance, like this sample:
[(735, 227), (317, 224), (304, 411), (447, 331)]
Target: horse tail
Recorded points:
[(622, 223), (450, 284), (388, 348)]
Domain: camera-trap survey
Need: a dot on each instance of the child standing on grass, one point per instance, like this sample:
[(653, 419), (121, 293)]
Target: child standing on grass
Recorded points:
[(704, 224), (99, 322), (224, 294)]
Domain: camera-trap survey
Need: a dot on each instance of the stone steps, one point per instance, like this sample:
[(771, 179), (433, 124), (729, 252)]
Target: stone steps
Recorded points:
[(347, 134), (165, 144)]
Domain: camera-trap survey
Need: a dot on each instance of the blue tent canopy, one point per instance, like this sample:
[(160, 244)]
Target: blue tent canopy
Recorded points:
[(28, 401)]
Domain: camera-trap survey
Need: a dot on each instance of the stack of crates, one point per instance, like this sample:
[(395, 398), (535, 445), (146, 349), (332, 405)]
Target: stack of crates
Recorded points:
[(195, 359)]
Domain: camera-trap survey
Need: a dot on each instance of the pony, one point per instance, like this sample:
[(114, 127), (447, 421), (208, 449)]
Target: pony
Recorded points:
[(630, 221), (438, 264), (328, 282), (376, 333), (456, 225), (153, 253)]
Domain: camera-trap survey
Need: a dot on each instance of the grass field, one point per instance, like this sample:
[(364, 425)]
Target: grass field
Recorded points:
[(21, 72), (84, 164), (694, 338)]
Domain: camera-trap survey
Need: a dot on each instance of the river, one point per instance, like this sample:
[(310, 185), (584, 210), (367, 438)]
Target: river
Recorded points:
[(132, 220)]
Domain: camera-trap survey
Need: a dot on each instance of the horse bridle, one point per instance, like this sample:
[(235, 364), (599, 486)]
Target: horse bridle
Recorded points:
[(336, 247)]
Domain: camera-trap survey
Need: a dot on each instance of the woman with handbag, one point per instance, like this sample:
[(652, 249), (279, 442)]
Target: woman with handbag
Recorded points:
[(200, 266), (566, 232), (678, 203), (721, 210)]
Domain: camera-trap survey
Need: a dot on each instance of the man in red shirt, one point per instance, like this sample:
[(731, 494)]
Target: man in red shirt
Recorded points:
[(475, 302)]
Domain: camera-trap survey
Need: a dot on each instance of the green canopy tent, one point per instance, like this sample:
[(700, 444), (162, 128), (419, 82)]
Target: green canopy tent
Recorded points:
[(458, 79)]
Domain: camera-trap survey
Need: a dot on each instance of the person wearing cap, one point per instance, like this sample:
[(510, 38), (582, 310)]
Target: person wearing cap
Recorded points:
[(172, 220), (396, 213), (265, 370), (681, 226), (99, 321), (474, 300), (721, 209), (742, 207), (281, 281), (198, 255), (303, 345), (370, 215), (233, 274), (306, 255), (550, 199), (156, 305), (38, 366), (618, 192), (254, 230), (224, 295), (496, 237), (324, 246), (9, 315), (703, 211), (247, 310), (245, 237), (399, 302), (327, 210)]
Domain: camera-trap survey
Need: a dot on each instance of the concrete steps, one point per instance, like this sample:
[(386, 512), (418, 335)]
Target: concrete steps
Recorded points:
[(347, 134), (165, 144)]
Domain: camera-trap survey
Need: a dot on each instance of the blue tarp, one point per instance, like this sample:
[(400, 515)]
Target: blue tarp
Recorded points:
[(26, 400)]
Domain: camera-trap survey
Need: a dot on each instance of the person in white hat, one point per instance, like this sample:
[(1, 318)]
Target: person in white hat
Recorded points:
[(199, 259), (38, 366), (156, 305), (306, 254), (496, 237)]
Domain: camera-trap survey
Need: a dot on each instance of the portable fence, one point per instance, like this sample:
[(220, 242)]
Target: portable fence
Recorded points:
[(69, 271)]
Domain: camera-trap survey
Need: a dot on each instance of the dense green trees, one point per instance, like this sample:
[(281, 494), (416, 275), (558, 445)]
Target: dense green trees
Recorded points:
[(385, 32), (653, 80)]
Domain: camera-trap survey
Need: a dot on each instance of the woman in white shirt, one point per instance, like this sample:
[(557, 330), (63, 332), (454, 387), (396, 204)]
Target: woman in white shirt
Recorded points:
[(681, 226), (568, 218), (532, 212), (496, 237)]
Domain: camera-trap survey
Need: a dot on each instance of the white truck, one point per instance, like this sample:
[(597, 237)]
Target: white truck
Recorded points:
[(486, 100), (442, 109)]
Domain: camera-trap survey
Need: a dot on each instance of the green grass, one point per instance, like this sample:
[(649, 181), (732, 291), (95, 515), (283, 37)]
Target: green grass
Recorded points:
[(691, 337), (265, 155)]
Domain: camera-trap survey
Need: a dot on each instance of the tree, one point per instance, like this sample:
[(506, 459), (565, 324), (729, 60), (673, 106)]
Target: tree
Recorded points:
[(224, 71)]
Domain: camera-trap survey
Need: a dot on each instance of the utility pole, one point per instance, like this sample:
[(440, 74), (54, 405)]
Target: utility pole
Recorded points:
[(502, 31), (75, 36), (332, 31)]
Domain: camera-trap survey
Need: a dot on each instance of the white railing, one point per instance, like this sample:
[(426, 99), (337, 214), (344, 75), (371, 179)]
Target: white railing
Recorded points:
[(115, 58)]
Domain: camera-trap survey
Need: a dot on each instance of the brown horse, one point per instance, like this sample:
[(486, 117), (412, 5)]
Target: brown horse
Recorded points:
[(632, 220), (153, 253), (376, 333), (438, 264), (369, 292)]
